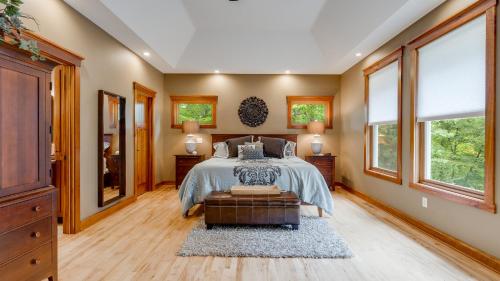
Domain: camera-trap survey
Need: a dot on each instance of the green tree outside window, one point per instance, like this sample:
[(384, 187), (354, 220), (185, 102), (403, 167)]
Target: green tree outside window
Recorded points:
[(387, 146), (457, 152), (194, 112), (304, 113)]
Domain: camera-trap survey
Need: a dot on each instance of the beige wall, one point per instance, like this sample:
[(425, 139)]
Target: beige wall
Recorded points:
[(108, 65), (478, 228), (232, 89)]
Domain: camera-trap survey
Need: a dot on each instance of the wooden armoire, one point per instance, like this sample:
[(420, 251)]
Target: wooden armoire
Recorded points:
[(28, 223)]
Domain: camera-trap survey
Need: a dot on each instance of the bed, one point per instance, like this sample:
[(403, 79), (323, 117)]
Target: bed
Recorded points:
[(290, 174)]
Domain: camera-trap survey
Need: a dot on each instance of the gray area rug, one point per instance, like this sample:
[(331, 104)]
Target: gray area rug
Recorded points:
[(314, 239)]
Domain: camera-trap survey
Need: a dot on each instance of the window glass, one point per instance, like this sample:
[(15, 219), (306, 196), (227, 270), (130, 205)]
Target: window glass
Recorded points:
[(304, 113), (194, 112), (140, 115), (456, 149), (385, 146)]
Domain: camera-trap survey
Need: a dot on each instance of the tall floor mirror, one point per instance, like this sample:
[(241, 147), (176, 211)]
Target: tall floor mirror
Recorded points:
[(111, 148)]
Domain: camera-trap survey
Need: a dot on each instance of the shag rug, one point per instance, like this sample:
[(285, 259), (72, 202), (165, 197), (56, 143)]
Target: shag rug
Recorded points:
[(314, 239)]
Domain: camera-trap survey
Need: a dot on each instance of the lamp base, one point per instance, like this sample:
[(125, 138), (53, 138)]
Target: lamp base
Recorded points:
[(316, 148), (191, 148)]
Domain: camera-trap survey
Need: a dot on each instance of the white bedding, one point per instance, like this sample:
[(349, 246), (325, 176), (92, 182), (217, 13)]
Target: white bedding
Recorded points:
[(290, 174)]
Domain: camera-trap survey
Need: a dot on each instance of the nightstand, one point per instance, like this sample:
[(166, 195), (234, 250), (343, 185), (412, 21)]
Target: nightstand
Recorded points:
[(326, 165), (183, 164)]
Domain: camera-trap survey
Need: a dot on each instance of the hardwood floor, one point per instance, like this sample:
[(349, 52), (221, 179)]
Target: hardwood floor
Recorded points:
[(140, 242)]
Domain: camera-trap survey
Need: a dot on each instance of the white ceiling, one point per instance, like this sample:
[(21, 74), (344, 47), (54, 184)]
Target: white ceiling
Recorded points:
[(253, 36)]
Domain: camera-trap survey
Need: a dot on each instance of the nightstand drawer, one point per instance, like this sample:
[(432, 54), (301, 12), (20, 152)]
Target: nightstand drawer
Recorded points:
[(187, 162), (326, 166), (183, 164)]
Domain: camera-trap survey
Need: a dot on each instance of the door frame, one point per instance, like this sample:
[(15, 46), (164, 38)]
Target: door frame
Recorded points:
[(70, 130), (150, 94)]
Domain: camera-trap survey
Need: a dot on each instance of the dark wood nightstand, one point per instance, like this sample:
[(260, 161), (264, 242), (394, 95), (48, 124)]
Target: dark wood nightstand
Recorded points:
[(326, 165), (183, 164)]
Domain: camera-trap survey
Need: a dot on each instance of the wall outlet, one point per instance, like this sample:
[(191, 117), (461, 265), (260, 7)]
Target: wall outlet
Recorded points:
[(424, 202)]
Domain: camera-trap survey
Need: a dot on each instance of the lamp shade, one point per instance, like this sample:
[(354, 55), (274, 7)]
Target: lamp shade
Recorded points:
[(316, 127), (190, 127)]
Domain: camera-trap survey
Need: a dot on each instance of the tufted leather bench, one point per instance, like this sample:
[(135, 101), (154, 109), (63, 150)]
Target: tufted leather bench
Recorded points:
[(225, 208)]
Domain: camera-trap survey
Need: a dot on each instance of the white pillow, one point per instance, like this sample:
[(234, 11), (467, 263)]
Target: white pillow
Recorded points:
[(221, 150), (289, 150)]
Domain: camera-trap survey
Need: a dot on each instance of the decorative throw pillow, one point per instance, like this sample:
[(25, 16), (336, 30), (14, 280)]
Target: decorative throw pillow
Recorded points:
[(232, 144), (257, 143), (273, 147), (289, 150), (250, 151), (221, 150)]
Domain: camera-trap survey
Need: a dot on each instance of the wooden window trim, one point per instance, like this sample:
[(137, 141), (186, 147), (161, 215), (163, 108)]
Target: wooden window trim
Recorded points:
[(484, 201), (392, 176), (327, 100), (174, 100)]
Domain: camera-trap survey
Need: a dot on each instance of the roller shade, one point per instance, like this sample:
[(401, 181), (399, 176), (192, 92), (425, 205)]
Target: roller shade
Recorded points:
[(383, 95), (451, 74)]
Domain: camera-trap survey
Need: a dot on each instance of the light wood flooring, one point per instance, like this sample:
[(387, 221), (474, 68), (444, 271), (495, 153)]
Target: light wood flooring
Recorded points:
[(140, 242)]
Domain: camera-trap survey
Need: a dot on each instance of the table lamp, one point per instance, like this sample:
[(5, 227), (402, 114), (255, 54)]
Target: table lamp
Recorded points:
[(190, 128), (316, 128)]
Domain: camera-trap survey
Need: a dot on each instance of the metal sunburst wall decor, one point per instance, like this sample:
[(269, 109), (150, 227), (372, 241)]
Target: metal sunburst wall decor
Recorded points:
[(253, 112)]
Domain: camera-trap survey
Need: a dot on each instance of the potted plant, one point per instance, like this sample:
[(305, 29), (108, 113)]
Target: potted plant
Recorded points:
[(11, 28)]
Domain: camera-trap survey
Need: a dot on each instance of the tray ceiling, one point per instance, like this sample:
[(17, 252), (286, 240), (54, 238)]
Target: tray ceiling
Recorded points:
[(253, 36)]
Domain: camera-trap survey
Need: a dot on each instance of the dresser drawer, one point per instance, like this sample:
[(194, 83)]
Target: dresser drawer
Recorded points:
[(18, 214), (23, 239), (35, 265)]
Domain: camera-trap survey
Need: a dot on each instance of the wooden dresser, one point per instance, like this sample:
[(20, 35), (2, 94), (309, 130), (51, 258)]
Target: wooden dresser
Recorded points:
[(326, 166), (184, 163), (28, 203)]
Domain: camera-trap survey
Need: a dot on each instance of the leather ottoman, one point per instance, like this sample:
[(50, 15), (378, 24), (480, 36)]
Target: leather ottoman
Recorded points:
[(225, 208)]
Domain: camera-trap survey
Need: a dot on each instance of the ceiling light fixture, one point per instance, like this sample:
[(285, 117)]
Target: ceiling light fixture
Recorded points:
[(287, 72), (146, 54), (358, 54)]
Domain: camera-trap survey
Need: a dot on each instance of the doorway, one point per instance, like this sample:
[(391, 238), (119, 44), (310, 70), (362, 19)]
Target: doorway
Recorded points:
[(143, 139)]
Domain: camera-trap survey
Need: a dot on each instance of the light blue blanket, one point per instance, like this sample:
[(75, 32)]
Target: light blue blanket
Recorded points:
[(290, 174)]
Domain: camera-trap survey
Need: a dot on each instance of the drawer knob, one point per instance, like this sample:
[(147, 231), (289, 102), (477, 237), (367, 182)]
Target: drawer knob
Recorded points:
[(37, 209), (36, 234), (35, 261)]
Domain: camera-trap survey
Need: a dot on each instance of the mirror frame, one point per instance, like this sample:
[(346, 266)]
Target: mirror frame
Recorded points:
[(100, 148)]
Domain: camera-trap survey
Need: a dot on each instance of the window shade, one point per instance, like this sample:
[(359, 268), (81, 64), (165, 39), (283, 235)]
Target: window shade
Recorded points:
[(451, 74), (383, 95)]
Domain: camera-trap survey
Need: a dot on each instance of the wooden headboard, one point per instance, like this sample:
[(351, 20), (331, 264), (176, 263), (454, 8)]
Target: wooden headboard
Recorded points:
[(223, 137)]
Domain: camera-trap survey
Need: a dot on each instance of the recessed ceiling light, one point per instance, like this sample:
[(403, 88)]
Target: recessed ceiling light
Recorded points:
[(287, 72), (146, 54), (358, 54), (216, 71)]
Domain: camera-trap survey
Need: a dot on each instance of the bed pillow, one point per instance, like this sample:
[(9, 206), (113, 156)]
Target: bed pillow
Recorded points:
[(289, 150), (232, 144), (221, 150), (257, 143), (273, 147), (250, 151)]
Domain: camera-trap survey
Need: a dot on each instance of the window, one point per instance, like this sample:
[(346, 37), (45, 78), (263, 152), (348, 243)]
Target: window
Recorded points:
[(452, 134), (304, 109), (383, 118), (194, 108)]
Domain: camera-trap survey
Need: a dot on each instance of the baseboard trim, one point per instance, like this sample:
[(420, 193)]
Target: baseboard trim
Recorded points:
[(483, 258), (106, 212), (157, 185)]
